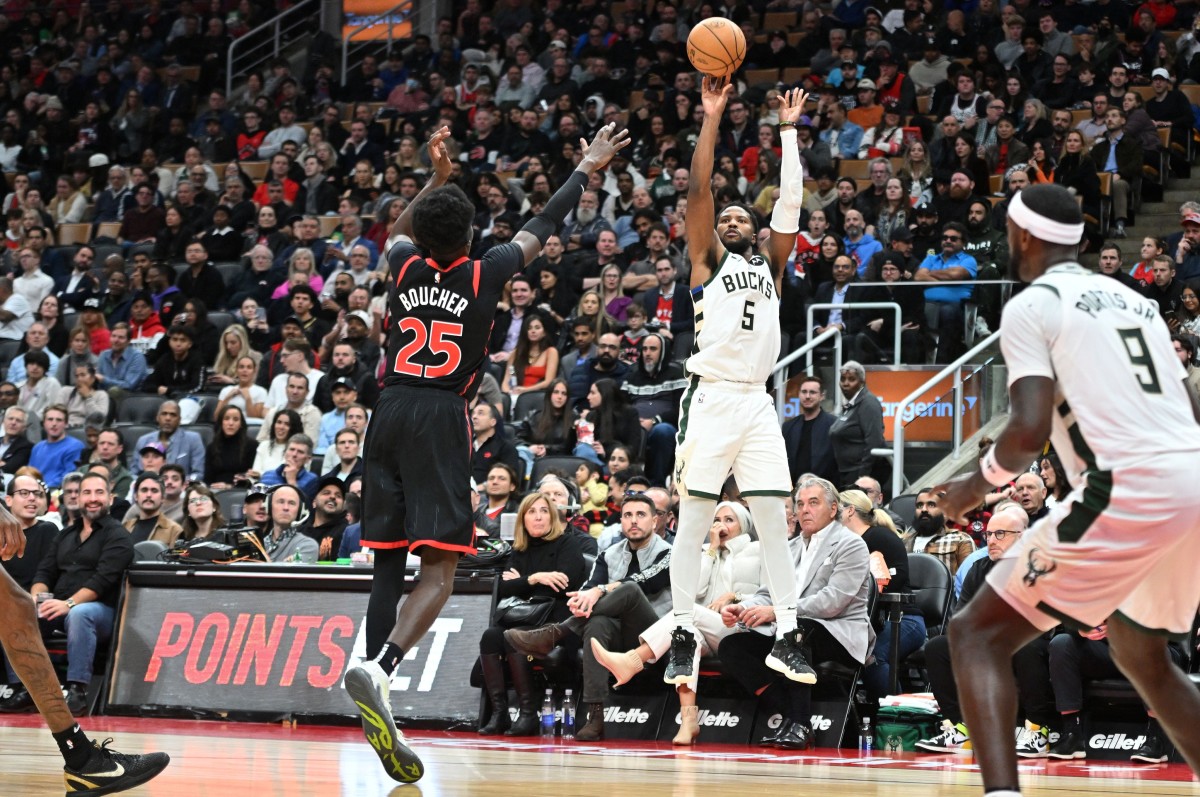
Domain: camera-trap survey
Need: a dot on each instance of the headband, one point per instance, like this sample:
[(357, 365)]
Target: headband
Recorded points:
[(1045, 229)]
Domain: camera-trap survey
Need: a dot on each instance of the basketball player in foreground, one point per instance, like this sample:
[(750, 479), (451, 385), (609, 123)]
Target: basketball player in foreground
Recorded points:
[(91, 769), (417, 462), (1091, 367), (727, 420)]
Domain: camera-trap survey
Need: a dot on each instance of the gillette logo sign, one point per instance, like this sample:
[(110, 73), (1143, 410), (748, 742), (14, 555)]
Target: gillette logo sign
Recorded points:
[(719, 719), (817, 722), (634, 716), (1115, 741)]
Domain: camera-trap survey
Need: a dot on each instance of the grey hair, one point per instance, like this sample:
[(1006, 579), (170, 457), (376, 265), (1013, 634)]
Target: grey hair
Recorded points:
[(74, 477), (16, 408), (856, 367), (743, 517), (826, 486), (1189, 207)]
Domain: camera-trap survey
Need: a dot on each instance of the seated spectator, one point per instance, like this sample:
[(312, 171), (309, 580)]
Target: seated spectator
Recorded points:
[(346, 363), (39, 391), (294, 469), (149, 523), (181, 372), (931, 535), (344, 395), (15, 314), (37, 338), (201, 512), (951, 264), (230, 456), (294, 357), (618, 601), (654, 389), (612, 421), (83, 400), (730, 570), (327, 522), (78, 355), (296, 400), (181, 447), (15, 447), (878, 326), (284, 424), (234, 344), (501, 494), (491, 444), (547, 564), (146, 328), (533, 363), (283, 541), (831, 615), (345, 461)]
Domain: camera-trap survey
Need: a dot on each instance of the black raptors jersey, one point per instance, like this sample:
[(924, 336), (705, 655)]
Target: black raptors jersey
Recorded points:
[(442, 316)]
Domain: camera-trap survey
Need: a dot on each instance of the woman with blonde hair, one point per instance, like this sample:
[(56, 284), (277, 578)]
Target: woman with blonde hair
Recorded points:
[(303, 262), (889, 566), (546, 564), (612, 298), (917, 172), (91, 319), (730, 568), (235, 344), (591, 307)]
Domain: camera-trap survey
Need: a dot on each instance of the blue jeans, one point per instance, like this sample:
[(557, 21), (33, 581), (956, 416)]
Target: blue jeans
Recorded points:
[(527, 459), (660, 452), (87, 625), (878, 677), (587, 452)]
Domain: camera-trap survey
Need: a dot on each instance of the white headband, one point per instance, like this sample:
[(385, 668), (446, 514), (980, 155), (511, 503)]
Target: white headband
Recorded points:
[(1040, 227)]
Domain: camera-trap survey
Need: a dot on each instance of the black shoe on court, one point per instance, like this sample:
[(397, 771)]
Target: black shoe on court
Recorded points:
[(1153, 751), (108, 772), (19, 702), (681, 658), (368, 686), (787, 658)]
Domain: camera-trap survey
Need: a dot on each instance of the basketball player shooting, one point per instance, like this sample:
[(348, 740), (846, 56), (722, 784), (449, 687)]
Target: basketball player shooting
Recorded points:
[(727, 420), (91, 769), (417, 458), (1089, 361)]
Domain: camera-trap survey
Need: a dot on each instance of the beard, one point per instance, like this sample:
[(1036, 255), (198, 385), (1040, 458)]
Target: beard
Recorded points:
[(959, 192), (928, 524), (585, 216), (977, 227), (95, 514), (606, 360), (740, 247)]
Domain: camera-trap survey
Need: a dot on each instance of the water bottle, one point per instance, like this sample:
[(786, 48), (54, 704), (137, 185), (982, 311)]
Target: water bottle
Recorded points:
[(568, 716), (548, 715), (866, 737)]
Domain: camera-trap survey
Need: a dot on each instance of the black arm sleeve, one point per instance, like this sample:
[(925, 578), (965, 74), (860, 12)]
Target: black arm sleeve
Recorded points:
[(546, 223)]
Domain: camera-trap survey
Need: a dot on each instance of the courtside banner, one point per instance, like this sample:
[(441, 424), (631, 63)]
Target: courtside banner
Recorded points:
[(245, 650)]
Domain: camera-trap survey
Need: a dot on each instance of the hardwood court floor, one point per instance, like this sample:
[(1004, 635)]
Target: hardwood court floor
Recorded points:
[(246, 760)]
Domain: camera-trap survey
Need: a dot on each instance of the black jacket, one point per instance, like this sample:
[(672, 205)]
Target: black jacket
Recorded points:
[(820, 460), (496, 448), (17, 455), (96, 563), (655, 392)]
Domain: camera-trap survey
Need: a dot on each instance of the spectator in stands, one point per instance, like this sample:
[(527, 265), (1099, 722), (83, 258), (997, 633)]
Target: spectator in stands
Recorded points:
[(122, 368), (16, 316), (296, 387), (294, 469), (931, 535), (149, 523), (667, 305), (82, 399), (654, 388), (201, 512), (583, 226), (1121, 156), (294, 356), (346, 459), (843, 136), (244, 394), (181, 447), (806, 436), (1030, 492), (287, 506), (110, 452), (25, 498), (201, 279), (38, 389), (1165, 289), (877, 330), (859, 427), (181, 370), (15, 447), (1110, 266), (346, 363), (952, 264), (490, 442), (141, 222), (500, 495), (230, 455), (32, 283), (328, 520), (343, 394), (57, 453)]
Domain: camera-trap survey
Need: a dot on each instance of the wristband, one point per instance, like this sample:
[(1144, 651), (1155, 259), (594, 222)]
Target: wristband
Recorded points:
[(786, 124), (993, 473)]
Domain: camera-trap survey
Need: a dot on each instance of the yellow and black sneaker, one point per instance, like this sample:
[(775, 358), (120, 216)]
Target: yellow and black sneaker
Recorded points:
[(108, 772), (367, 685)]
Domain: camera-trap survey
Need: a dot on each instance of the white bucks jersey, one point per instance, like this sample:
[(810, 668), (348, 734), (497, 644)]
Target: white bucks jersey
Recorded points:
[(737, 322), (1119, 394)]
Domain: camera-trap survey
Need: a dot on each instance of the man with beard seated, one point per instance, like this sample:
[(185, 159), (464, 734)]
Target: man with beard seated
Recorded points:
[(931, 535), (989, 247), (953, 205), (585, 224)]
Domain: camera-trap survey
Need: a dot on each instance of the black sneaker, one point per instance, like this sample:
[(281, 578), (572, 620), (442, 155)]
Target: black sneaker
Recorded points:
[(681, 658), (77, 699), (108, 772), (368, 686), (19, 702), (787, 658), (1069, 745), (1154, 751)]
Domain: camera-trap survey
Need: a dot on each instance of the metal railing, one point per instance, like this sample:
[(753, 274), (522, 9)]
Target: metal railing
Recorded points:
[(781, 367), (863, 306), (404, 11), (896, 452), (268, 40)]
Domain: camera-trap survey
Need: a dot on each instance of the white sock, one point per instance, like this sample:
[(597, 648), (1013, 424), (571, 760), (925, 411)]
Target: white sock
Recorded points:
[(770, 521), (695, 518), (1002, 793)]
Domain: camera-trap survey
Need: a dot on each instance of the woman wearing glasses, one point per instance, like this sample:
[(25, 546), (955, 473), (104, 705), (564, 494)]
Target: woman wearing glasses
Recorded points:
[(201, 512)]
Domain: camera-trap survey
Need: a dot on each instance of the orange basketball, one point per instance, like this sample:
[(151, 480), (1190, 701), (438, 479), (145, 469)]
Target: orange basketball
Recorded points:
[(716, 47)]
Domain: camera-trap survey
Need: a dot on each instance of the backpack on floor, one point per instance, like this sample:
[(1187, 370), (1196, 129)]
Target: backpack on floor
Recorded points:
[(900, 728)]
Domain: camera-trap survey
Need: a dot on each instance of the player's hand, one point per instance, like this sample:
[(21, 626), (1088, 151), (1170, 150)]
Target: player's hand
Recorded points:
[(607, 143), (958, 496), (714, 93), (12, 537), (438, 155), (791, 105)]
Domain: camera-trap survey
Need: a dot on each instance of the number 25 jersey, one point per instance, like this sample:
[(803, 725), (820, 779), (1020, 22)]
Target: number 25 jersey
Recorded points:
[(442, 316)]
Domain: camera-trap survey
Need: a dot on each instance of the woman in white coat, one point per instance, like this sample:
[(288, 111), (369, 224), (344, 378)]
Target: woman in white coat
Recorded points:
[(730, 568)]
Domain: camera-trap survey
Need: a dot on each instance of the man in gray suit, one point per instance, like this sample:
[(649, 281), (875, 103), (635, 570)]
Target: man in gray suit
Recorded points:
[(834, 580)]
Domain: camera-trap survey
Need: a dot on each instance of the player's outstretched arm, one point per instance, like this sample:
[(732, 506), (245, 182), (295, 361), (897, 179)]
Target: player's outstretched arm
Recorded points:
[(441, 173), (596, 155), (785, 218), (704, 249)]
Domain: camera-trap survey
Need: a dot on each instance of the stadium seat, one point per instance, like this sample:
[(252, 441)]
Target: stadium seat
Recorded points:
[(526, 403), (563, 464), (130, 435), (138, 409), (148, 550)]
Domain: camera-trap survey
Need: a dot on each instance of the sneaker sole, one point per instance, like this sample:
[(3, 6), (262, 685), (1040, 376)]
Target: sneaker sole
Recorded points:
[(1148, 759), (953, 750), (112, 788), (677, 679), (1032, 755), (799, 677), (401, 763), (1067, 756)]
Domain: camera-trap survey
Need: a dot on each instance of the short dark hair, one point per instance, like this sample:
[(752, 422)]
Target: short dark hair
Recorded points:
[(442, 220), (750, 211), (38, 358), (640, 498), (173, 468)]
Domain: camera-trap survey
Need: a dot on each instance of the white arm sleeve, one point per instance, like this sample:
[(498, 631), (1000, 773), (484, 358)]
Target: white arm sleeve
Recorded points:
[(785, 217)]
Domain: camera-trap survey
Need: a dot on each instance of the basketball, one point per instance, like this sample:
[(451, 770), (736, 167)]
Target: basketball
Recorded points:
[(716, 47)]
